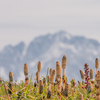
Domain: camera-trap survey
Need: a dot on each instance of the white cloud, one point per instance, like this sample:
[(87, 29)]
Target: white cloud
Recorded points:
[(23, 20), (21, 77), (3, 73)]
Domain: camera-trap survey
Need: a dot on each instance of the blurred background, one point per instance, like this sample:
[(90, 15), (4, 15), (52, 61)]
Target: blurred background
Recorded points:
[(45, 30)]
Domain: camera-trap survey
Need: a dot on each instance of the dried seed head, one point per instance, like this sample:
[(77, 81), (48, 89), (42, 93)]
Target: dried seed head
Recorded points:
[(51, 79), (96, 63), (79, 83), (64, 62), (49, 94), (97, 96), (26, 81), (39, 66), (81, 97), (37, 76), (51, 71), (41, 82), (41, 87), (10, 89), (97, 78), (25, 69), (89, 84), (66, 90), (44, 80), (89, 89), (82, 74), (91, 73), (58, 70), (10, 76)]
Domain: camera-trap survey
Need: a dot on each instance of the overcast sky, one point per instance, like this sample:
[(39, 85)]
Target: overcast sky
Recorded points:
[(23, 20)]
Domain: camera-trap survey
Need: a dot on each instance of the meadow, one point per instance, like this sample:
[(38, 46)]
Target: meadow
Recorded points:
[(53, 86)]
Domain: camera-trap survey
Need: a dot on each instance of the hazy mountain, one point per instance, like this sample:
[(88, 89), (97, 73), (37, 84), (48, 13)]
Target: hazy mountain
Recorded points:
[(48, 49)]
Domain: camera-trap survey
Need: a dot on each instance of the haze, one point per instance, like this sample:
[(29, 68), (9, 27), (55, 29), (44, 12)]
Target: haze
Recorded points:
[(23, 20)]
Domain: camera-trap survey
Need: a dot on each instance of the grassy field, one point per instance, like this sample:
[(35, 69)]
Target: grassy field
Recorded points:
[(53, 86)]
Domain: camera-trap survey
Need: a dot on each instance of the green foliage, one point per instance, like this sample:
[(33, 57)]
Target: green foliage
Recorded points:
[(20, 92), (30, 93)]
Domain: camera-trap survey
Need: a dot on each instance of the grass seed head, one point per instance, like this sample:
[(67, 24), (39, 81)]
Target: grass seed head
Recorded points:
[(64, 62), (48, 94), (66, 90), (10, 89), (96, 63), (97, 77), (82, 74), (89, 89), (91, 73), (39, 66), (44, 81), (51, 71), (37, 76), (26, 81), (10, 76), (41, 87), (41, 82), (25, 69), (58, 70), (52, 76), (81, 97)]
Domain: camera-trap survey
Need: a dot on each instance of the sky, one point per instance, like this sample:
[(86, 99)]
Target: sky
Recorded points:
[(23, 20)]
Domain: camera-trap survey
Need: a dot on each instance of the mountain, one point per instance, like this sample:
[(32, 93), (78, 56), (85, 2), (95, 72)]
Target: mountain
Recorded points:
[(48, 49)]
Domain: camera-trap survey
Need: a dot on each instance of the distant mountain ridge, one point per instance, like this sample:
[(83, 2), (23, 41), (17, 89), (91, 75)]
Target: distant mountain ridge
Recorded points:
[(48, 49)]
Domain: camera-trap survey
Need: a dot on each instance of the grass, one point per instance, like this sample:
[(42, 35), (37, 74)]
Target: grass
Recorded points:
[(30, 92), (72, 91)]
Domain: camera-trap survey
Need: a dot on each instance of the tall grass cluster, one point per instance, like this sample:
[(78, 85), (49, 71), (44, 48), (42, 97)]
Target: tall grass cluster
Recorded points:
[(53, 86)]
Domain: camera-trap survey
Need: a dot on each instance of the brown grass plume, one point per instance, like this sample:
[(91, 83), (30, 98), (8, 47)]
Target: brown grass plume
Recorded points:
[(64, 62), (58, 70), (39, 66), (81, 97), (51, 71), (26, 81), (25, 69), (52, 76), (66, 90), (10, 76), (82, 75), (96, 63), (37, 76), (91, 73), (41, 87)]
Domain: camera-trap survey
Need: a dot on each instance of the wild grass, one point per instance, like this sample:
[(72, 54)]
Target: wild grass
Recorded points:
[(48, 89)]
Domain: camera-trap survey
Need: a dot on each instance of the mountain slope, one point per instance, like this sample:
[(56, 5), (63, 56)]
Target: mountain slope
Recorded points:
[(48, 49)]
